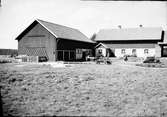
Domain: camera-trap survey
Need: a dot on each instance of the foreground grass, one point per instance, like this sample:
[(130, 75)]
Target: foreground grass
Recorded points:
[(97, 90)]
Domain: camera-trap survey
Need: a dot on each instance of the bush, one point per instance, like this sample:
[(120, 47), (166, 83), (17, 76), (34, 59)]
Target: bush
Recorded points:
[(43, 59), (5, 61)]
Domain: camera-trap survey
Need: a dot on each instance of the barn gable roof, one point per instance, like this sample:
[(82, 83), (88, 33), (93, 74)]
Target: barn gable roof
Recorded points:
[(129, 34), (58, 31)]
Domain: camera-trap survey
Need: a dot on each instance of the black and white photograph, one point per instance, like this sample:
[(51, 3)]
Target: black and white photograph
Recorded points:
[(83, 58)]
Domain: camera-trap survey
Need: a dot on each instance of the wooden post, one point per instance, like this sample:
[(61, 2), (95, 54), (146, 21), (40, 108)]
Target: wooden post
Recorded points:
[(56, 49), (63, 55), (69, 55)]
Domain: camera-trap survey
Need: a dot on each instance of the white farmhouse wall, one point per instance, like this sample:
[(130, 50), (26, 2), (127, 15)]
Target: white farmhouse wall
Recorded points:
[(139, 52), (158, 50), (118, 53)]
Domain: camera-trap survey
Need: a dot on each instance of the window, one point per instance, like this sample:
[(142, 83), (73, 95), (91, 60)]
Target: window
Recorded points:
[(134, 51), (79, 51), (99, 50), (145, 51), (123, 51)]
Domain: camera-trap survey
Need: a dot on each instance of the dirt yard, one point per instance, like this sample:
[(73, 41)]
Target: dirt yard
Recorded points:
[(117, 90)]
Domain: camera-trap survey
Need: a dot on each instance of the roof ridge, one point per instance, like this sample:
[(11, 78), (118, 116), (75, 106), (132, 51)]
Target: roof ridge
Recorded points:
[(132, 28)]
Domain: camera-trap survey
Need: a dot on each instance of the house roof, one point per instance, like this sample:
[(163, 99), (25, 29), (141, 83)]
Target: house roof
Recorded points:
[(126, 34), (101, 44), (59, 31)]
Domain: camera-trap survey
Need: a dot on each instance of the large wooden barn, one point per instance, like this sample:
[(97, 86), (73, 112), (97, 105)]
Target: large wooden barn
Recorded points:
[(140, 42), (53, 41)]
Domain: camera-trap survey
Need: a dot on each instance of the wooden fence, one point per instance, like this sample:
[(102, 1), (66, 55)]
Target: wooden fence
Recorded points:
[(8, 51), (30, 59)]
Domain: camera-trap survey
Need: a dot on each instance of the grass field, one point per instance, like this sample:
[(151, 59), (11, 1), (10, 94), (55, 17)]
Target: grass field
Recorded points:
[(117, 90)]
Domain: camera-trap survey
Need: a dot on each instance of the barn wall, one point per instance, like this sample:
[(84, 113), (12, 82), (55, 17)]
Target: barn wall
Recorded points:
[(76, 49), (38, 37), (64, 44), (51, 47)]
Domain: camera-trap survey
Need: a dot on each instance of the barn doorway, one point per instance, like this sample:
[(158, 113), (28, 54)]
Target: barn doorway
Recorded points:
[(65, 55)]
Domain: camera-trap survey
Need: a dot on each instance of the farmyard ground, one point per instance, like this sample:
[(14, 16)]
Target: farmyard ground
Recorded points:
[(117, 90)]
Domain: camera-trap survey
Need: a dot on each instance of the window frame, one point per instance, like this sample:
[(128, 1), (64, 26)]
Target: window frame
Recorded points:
[(133, 51), (146, 51), (100, 50), (123, 51)]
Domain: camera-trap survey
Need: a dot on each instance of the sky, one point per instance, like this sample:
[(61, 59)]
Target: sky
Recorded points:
[(87, 16)]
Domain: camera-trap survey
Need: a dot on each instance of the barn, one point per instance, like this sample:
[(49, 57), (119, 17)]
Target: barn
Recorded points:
[(139, 42), (54, 41)]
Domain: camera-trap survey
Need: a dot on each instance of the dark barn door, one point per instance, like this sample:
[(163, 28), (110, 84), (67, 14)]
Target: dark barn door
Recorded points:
[(72, 55), (60, 55), (66, 55)]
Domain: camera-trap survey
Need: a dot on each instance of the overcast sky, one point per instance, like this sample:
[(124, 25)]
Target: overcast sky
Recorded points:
[(87, 16)]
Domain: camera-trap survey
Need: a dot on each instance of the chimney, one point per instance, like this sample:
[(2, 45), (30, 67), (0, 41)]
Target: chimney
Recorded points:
[(140, 25), (119, 26)]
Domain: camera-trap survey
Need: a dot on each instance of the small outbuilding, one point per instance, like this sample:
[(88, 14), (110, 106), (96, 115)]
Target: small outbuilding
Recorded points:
[(55, 42)]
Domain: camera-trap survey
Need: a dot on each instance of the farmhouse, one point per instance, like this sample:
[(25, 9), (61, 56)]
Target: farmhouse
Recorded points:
[(140, 42), (53, 41)]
